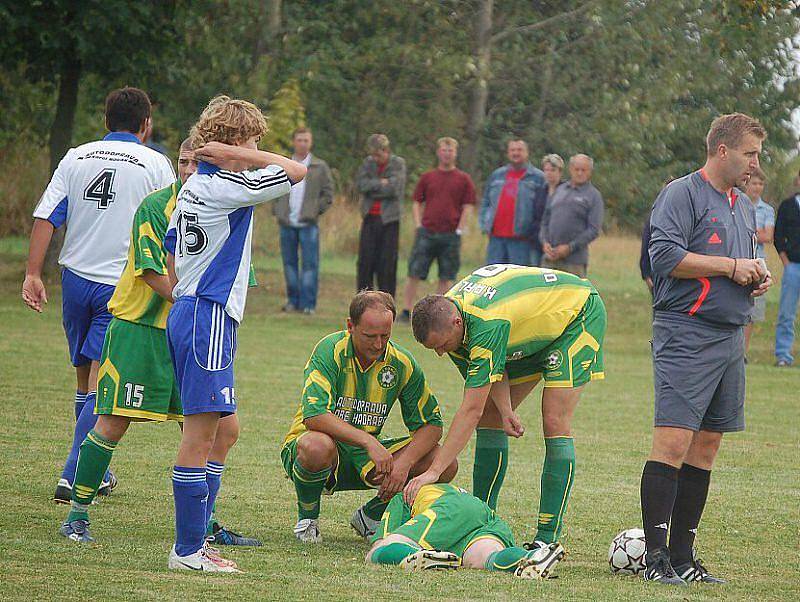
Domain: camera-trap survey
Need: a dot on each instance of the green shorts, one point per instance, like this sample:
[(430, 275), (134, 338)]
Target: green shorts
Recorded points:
[(352, 468), (453, 523), (136, 378), (574, 358)]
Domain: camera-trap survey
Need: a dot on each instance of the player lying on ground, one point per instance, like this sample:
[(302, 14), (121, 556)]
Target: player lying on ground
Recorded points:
[(507, 327), (352, 380), (136, 381), (93, 193), (446, 527), (209, 241)]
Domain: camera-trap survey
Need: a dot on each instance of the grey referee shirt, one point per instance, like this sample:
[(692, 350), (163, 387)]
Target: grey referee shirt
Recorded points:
[(690, 215)]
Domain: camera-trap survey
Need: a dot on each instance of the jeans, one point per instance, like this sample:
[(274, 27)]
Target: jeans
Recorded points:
[(784, 330), (536, 256), (301, 285), (508, 250)]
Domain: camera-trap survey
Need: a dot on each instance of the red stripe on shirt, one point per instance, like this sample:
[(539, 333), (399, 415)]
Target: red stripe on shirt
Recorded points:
[(705, 283)]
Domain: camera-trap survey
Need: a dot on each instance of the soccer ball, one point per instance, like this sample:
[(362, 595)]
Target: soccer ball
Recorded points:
[(626, 554)]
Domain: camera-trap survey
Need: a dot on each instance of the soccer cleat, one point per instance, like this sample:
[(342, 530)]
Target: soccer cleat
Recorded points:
[(363, 524), (430, 560), (225, 537), (201, 560), (695, 572), (76, 530), (307, 530), (659, 569), (214, 554), (541, 561), (106, 487), (783, 364), (63, 494)]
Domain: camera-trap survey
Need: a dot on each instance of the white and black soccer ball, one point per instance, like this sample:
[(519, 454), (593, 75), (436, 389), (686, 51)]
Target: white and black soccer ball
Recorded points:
[(626, 554)]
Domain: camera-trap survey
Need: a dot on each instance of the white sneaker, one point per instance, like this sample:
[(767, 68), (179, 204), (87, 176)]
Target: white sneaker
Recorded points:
[(307, 530), (363, 524), (427, 560), (200, 561), (539, 564)]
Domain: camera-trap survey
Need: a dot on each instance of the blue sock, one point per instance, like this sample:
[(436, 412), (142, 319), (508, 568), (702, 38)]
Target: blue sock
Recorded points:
[(80, 400), (214, 479), (190, 490), (83, 425)]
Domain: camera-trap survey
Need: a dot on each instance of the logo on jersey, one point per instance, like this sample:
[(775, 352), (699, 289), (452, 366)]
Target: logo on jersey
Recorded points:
[(387, 377), (554, 360), (515, 356), (715, 239)]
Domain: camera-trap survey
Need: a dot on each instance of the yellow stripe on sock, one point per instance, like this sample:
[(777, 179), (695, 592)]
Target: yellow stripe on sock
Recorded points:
[(564, 501), (496, 474), (100, 443)]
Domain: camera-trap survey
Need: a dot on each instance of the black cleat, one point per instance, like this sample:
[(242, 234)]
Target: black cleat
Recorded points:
[(695, 572), (659, 569), (63, 494), (106, 487)]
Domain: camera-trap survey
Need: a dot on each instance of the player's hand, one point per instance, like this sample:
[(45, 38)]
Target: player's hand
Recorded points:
[(748, 271), (560, 251), (414, 485), (382, 459), (225, 156), (512, 425), (393, 483), (763, 287), (34, 293), (548, 250)]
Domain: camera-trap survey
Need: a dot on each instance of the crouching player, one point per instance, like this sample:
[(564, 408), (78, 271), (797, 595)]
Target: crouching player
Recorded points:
[(352, 380), (136, 381), (209, 240), (447, 527)]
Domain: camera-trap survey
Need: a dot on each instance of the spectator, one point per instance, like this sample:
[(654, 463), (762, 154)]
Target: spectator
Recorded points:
[(297, 214), (553, 168), (645, 267), (572, 219), (787, 243), (442, 202), (381, 181), (508, 210), (765, 228)]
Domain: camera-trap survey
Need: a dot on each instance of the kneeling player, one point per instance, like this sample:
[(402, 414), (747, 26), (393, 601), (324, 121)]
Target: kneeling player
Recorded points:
[(447, 527), (352, 380)]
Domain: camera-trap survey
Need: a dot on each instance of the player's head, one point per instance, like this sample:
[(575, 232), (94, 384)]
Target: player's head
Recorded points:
[(230, 121), (378, 148), (302, 139), (447, 151), (580, 169), (128, 110), (369, 323), (187, 164), (733, 145), (517, 151), (755, 185), (553, 167), (437, 324)]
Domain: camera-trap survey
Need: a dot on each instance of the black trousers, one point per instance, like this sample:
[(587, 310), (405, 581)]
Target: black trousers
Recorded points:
[(377, 255)]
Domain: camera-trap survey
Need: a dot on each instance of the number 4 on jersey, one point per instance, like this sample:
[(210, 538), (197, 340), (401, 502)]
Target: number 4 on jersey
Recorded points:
[(100, 190)]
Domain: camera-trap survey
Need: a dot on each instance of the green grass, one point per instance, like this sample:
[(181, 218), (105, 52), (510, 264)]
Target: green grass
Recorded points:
[(749, 534)]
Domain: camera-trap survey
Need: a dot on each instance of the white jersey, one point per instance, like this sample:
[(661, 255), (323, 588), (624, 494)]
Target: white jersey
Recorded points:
[(211, 229), (95, 191)]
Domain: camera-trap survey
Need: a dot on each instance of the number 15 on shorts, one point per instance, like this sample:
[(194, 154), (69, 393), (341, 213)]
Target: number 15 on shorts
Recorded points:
[(133, 395)]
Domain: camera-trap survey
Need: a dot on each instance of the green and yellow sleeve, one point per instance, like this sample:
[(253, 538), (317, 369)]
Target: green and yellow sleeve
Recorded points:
[(319, 379), (149, 228), (488, 341), (418, 404)]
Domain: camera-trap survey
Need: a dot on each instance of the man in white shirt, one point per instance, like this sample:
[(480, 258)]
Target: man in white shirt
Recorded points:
[(94, 193)]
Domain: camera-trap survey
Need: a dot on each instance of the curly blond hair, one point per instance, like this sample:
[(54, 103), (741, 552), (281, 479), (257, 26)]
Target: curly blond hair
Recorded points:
[(229, 121)]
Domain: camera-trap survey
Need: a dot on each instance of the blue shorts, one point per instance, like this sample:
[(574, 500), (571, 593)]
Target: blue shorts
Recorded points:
[(85, 315), (202, 342)]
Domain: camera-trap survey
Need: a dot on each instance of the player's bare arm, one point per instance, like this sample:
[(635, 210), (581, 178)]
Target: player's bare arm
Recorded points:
[(500, 395), (423, 440), (160, 283), (743, 272), (33, 290), (173, 277), (238, 158)]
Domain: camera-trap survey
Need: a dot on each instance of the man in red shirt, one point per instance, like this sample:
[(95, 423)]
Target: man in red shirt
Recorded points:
[(442, 201)]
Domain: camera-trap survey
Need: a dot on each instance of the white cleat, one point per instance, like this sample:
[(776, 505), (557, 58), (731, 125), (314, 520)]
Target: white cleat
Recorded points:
[(363, 524), (541, 562), (307, 530), (430, 560), (201, 561)]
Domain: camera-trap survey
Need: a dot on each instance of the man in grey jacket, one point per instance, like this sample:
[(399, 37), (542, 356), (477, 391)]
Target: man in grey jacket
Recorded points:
[(297, 215), (572, 219), (381, 181)]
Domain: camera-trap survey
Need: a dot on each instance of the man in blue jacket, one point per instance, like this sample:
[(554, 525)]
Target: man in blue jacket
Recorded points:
[(512, 207)]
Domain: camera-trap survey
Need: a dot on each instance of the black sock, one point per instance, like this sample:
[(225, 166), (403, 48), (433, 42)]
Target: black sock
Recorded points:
[(689, 503), (659, 487)]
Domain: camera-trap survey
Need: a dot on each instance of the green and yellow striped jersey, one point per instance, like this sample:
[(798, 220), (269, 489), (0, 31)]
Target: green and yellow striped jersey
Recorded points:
[(511, 312), (335, 382)]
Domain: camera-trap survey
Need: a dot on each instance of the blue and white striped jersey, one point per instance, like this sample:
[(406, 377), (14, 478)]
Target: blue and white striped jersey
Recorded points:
[(95, 191), (211, 229)]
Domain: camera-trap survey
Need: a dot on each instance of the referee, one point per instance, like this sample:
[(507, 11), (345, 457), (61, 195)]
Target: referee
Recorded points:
[(705, 276)]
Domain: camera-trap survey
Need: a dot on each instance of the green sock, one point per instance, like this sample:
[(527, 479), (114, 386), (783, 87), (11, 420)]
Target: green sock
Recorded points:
[(212, 520), (93, 461), (375, 508), (558, 474), (309, 486), (506, 560), (392, 553), (491, 463)]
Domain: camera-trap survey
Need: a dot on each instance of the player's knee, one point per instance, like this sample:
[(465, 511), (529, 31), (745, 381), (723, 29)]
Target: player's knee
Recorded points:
[(555, 425), (111, 427), (316, 450), (227, 433), (477, 554)]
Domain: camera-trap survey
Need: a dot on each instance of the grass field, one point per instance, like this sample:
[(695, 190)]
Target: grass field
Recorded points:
[(750, 533)]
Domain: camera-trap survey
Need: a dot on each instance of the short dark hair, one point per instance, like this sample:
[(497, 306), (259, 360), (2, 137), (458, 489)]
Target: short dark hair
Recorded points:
[(730, 130), (301, 130), (366, 299), (430, 314), (126, 109)]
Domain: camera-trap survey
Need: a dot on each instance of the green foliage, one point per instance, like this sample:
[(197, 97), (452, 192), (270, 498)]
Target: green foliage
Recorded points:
[(286, 113)]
